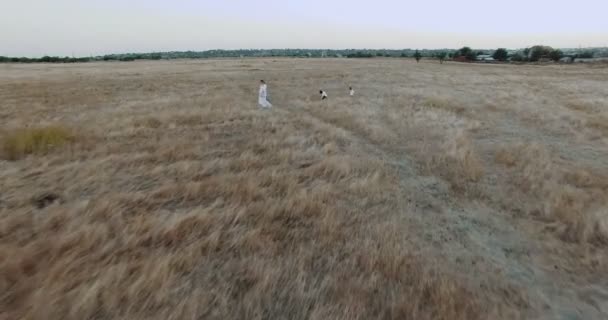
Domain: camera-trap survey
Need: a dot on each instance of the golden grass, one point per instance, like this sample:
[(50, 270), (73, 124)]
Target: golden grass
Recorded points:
[(599, 122), (577, 106), (460, 161), (22, 142), (148, 122), (444, 105), (265, 227), (506, 158), (194, 204), (260, 216), (570, 195)]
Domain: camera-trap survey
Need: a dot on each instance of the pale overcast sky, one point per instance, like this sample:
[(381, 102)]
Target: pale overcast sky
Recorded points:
[(66, 27)]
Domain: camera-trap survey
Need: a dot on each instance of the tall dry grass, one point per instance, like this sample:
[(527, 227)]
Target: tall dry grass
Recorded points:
[(568, 194), (185, 201), (214, 211)]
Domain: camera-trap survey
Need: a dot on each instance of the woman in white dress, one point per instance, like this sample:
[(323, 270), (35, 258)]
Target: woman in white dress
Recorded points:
[(262, 98)]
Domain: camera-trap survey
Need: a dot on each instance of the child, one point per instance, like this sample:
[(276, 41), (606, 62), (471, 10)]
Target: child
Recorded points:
[(323, 95), (351, 91)]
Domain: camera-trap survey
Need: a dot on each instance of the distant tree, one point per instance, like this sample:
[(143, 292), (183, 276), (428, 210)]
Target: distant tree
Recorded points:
[(500, 54), (466, 52), (441, 56), (537, 52), (587, 54), (403, 55), (417, 55), (526, 54), (360, 54), (556, 55), (518, 56), (4, 59)]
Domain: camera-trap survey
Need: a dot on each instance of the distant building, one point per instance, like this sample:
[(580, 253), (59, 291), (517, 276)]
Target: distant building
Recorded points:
[(590, 60), (485, 58)]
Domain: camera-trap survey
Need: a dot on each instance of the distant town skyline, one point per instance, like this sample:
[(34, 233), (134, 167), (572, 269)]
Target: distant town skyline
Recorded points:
[(34, 28)]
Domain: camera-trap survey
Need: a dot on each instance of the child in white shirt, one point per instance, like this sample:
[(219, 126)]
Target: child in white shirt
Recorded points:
[(323, 95)]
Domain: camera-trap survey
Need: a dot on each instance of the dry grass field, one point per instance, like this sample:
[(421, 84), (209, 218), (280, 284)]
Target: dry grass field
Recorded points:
[(159, 190)]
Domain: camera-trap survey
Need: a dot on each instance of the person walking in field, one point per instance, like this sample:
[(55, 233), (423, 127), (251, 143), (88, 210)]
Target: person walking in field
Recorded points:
[(323, 95), (351, 91), (263, 96)]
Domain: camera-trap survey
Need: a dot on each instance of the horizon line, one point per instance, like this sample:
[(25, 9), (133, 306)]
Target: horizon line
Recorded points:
[(293, 48)]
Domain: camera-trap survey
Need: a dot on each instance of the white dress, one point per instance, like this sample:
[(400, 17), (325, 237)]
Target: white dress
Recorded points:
[(352, 92), (262, 97)]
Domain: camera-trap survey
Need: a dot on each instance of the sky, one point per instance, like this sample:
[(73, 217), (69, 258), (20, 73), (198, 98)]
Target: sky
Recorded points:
[(35, 28)]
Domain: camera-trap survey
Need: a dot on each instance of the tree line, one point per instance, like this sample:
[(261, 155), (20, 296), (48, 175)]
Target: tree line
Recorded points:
[(532, 54), (45, 59), (302, 53)]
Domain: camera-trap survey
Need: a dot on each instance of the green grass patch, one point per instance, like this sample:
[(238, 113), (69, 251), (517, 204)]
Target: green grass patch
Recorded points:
[(21, 142)]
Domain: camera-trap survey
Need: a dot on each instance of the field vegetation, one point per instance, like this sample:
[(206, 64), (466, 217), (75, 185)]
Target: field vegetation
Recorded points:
[(159, 190)]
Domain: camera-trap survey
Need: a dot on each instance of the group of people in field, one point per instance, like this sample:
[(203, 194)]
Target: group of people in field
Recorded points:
[(263, 95)]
